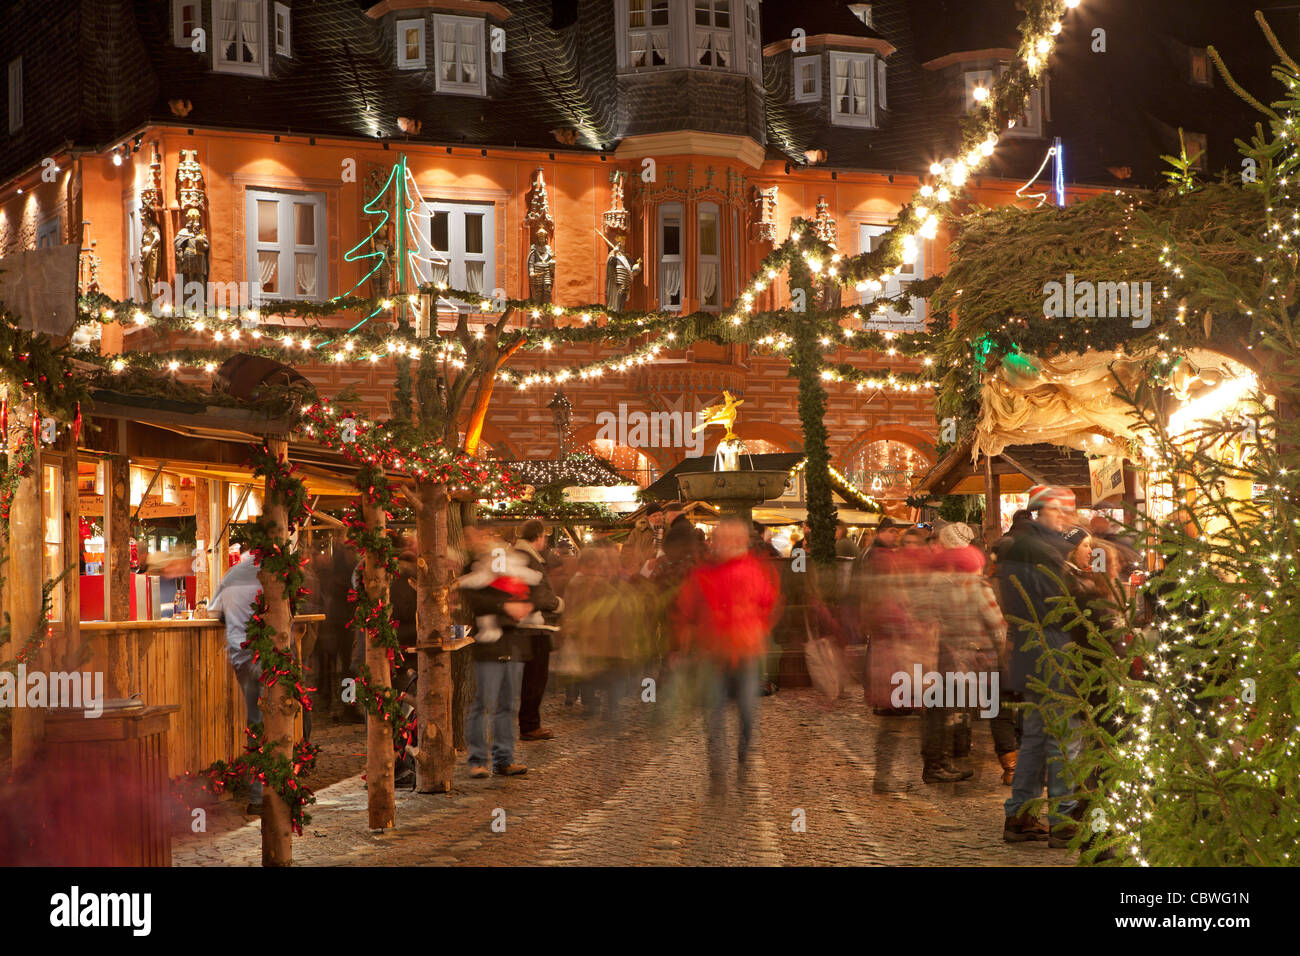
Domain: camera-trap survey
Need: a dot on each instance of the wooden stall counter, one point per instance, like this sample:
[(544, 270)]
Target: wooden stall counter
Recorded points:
[(185, 663)]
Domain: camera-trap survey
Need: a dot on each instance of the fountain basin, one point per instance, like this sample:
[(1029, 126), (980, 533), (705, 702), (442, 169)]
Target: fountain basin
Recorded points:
[(733, 492)]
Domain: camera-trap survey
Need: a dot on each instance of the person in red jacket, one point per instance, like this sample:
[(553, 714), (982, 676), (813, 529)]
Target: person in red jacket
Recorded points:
[(724, 614)]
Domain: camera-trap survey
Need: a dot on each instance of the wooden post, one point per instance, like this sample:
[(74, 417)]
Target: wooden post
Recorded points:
[(436, 760), (25, 576), (202, 532), (117, 527), (278, 706), (71, 554), (381, 801), (992, 497)]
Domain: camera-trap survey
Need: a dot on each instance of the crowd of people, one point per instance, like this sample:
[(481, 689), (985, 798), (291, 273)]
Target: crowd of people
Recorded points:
[(731, 616)]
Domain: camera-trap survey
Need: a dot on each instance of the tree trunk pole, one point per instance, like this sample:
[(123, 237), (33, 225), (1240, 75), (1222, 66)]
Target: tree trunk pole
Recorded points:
[(117, 522), (71, 555), (381, 801), (436, 760), (25, 577), (278, 705)]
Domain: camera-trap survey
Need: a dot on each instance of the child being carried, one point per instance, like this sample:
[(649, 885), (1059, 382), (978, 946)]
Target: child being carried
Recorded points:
[(505, 572)]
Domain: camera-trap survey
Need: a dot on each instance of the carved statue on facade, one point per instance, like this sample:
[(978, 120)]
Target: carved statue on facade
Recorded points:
[(616, 216), (619, 272), (541, 268), (151, 206), (192, 252), (539, 206), (381, 282), (824, 228), (191, 190), (764, 224)]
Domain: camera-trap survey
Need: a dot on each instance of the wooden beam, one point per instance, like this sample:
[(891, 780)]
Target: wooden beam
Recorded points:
[(992, 497), (117, 529), (25, 577), (202, 532), (71, 553), (1027, 472)]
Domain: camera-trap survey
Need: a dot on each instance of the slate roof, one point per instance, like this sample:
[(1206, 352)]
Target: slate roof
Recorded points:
[(94, 70)]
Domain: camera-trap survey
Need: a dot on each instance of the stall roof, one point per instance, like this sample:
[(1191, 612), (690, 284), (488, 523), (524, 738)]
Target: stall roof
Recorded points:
[(1018, 468)]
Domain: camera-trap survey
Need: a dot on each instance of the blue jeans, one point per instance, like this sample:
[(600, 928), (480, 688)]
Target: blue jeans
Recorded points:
[(250, 681), (720, 683), (1040, 756), (498, 694)]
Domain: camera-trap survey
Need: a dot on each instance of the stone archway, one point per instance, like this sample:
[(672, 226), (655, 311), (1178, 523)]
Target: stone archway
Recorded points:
[(885, 461)]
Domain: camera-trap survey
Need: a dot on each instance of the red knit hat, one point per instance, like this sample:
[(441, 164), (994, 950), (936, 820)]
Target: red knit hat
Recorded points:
[(969, 560), (1041, 495)]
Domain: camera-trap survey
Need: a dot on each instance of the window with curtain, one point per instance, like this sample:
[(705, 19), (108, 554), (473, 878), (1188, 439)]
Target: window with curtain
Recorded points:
[(710, 256), (410, 44), (458, 53), (286, 244), (647, 33), (713, 34), (852, 99), (457, 246), (670, 256), (238, 44), (871, 237)]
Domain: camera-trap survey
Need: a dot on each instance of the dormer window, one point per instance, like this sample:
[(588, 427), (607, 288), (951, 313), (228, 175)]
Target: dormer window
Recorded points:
[(239, 42), (807, 79), (410, 44), (1029, 124), (282, 45), (185, 20), (713, 33), (979, 86), (863, 12), (458, 53), (853, 95)]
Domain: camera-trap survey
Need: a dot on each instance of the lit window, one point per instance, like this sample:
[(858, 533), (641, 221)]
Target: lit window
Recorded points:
[(457, 246), (670, 256), (15, 95), (863, 12), (410, 44), (282, 47), (710, 258), (1196, 145), (1200, 67), (286, 244), (713, 34), (647, 33), (1029, 124), (870, 239), (458, 55), (52, 509), (852, 101), (185, 20), (807, 79), (238, 44)]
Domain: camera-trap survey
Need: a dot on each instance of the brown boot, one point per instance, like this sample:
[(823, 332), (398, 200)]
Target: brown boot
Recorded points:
[(1022, 828), (1008, 762)]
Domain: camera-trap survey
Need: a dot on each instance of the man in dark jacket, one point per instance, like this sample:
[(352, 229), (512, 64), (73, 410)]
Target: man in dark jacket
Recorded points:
[(1036, 553), (537, 631)]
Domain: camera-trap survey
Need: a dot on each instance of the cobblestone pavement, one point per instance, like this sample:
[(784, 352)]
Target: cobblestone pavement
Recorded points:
[(638, 794)]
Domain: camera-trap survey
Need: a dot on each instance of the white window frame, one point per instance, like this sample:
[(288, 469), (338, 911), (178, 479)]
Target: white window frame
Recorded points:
[(800, 64), (456, 254), (626, 34), (52, 529), (286, 244), (892, 320), (221, 65), (15, 94), (476, 87), (863, 12), (754, 40), (881, 72), (713, 31), (48, 235), (839, 118), (282, 17), (666, 211), (403, 61), (1029, 124), (715, 258), (179, 36)]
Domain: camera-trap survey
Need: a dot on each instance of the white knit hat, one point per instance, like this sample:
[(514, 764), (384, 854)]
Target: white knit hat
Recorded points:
[(956, 535)]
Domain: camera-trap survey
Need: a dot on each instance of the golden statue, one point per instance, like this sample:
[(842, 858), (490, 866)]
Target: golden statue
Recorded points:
[(724, 415)]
